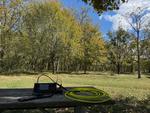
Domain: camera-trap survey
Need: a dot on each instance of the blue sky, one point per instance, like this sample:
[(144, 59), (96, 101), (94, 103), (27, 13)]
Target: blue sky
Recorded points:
[(104, 25)]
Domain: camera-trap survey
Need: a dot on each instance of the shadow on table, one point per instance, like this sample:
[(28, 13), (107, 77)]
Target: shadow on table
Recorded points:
[(122, 105)]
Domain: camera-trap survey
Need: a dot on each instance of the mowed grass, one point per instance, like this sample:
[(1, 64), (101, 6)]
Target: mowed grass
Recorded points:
[(116, 86)]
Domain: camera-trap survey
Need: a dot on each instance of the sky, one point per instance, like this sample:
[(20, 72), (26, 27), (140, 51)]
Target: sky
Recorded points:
[(112, 20)]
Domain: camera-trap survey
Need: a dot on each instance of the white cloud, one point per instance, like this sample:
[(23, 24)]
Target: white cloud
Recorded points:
[(132, 5), (118, 20)]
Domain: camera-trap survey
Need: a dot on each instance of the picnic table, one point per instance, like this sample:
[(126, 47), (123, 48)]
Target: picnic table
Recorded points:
[(9, 101)]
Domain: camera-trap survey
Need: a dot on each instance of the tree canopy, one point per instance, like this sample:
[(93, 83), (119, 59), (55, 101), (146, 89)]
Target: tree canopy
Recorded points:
[(104, 5)]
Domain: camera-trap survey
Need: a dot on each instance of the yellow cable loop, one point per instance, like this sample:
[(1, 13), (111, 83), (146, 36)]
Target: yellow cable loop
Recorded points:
[(88, 95)]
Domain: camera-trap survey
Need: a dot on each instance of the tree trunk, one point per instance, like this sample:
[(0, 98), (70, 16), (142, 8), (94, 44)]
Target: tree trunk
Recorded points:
[(57, 66), (49, 65), (132, 68), (53, 67), (118, 68), (149, 70), (138, 55), (85, 68)]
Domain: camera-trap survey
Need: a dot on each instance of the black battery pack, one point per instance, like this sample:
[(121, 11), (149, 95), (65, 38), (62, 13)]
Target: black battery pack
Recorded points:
[(47, 88), (44, 88)]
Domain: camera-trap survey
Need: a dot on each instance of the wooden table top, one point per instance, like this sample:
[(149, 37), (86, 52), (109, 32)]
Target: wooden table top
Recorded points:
[(9, 100)]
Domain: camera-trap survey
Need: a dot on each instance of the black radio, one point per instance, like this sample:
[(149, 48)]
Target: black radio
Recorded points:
[(46, 88)]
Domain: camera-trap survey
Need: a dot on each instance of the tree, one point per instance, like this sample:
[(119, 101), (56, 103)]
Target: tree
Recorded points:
[(92, 44), (118, 46), (54, 34), (145, 55), (104, 5), (10, 16), (145, 46), (136, 19)]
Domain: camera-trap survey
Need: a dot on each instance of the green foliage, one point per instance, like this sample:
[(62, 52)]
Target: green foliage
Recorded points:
[(119, 53), (104, 5), (93, 46), (49, 37), (53, 32), (9, 19), (145, 51)]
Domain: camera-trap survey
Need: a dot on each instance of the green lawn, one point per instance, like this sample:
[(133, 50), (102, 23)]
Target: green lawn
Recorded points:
[(123, 85)]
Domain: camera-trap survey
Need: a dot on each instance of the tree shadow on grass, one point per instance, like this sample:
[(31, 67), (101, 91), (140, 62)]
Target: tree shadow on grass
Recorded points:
[(123, 105), (147, 75), (17, 73), (89, 73)]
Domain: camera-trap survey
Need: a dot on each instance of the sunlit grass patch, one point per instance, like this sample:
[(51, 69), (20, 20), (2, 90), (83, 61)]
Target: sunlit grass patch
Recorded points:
[(124, 85)]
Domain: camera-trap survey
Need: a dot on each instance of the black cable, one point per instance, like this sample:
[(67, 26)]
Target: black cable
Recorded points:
[(34, 98), (52, 81), (46, 76)]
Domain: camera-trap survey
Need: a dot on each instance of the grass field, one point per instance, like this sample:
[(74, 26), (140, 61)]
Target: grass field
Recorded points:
[(118, 85)]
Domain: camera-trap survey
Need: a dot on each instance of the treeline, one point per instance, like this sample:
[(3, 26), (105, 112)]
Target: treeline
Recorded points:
[(44, 36), (122, 52)]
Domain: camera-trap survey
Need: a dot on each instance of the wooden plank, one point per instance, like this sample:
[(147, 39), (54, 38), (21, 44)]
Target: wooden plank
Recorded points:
[(9, 100)]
